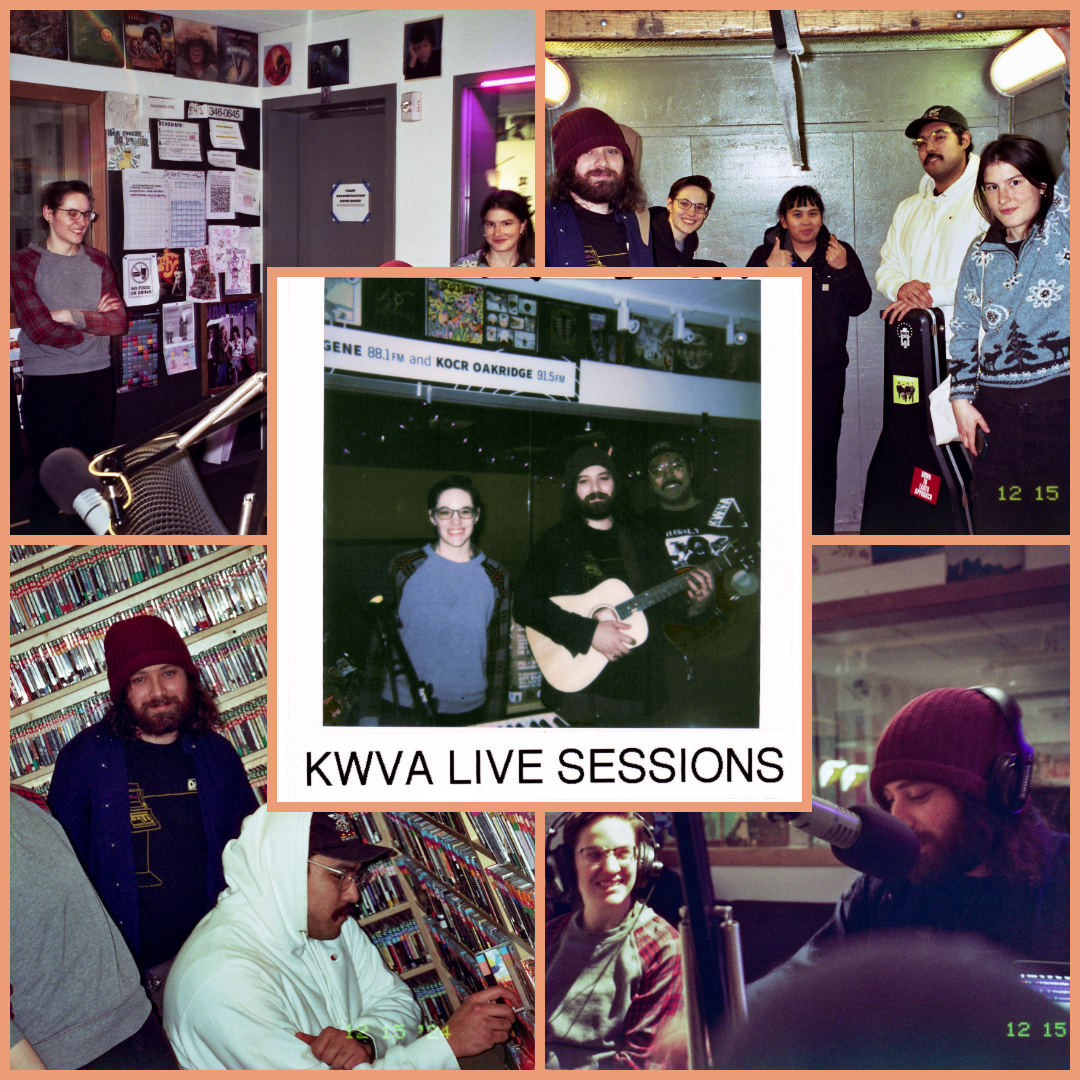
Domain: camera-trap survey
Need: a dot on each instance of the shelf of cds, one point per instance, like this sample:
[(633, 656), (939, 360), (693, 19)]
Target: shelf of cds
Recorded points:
[(453, 911), (63, 601)]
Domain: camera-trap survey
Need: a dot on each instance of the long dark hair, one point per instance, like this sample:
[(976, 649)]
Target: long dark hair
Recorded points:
[(631, 200), (200, 718), (1018, 845), (1030, 159), (519, 207)]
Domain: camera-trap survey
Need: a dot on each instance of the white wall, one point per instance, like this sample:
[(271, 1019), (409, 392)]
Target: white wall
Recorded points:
[(472, 41)]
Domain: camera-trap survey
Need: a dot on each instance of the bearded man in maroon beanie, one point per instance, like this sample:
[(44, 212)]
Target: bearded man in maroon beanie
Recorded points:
[(596, 211), (150, 795), (954, 765)]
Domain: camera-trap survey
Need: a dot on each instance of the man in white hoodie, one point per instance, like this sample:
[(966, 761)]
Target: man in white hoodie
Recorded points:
[(932, 230), (279, 976)]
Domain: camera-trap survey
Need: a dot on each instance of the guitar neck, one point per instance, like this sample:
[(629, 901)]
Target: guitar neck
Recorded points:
[(668, 589)]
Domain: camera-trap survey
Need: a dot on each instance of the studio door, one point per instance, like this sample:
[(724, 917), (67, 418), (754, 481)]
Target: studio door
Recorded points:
[(316, 157)]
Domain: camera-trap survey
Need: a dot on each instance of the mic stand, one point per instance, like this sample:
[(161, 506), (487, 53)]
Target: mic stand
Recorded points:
[(397, 662), (707, 936)]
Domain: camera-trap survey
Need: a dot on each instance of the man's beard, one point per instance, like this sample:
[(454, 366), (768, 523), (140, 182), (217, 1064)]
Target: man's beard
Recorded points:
[(597, 506), (599, 186), (957, 852), (167, 720)]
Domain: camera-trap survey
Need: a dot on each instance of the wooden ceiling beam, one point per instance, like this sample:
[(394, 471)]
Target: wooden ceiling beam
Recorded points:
[(729, 25)]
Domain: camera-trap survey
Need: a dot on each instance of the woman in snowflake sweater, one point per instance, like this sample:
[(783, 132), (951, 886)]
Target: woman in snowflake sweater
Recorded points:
[(1010, 393)]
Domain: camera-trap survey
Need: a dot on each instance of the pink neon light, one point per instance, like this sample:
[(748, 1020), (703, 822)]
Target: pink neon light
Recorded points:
[(507, 82)]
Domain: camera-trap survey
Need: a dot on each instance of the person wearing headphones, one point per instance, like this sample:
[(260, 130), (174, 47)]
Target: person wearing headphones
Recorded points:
[(613, 972), (954, 765)]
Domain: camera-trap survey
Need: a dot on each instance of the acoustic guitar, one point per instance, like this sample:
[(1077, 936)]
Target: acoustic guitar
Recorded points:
[(611, 599)]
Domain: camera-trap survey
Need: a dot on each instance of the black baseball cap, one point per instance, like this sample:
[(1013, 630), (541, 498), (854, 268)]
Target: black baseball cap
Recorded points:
[(944, 113)]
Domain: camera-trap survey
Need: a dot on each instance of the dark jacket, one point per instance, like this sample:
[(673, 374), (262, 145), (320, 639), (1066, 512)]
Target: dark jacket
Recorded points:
[(565, 246), (663, 242), (89, 797), (838, 295), (1031, 923)]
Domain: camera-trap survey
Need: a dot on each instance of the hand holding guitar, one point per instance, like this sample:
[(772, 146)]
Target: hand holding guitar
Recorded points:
[(610, 640), (701, 589)]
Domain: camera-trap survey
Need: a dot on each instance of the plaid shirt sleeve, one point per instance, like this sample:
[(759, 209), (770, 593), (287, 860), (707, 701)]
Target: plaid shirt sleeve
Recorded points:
[(110, 323), (33, 315), (659, 998)]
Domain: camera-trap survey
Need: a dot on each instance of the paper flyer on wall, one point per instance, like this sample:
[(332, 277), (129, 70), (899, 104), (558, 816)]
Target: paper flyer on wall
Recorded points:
[(140, 280), (146, 208), (178, 324), (128, 148), (187, 208), (252, 240), (247, 197), (220, 239), (203, 282), (178, 141), (121, 110), (219, 194), (238, 273), (226, 135)]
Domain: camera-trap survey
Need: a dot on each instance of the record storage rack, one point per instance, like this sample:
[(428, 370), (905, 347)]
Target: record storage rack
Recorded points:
[(229, 645)]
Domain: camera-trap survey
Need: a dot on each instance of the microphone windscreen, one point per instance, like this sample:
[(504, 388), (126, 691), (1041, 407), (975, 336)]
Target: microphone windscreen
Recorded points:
[(65, 474), (886, 847)]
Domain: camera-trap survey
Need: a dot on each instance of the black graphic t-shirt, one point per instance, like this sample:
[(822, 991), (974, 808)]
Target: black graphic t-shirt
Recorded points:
[(169, 844), (693, 537), (605, 238)]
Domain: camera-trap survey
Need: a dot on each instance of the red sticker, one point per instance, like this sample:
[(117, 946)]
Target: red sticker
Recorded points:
[(925, 485)]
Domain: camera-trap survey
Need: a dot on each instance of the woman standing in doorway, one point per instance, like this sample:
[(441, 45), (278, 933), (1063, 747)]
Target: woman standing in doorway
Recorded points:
[(508, 232), (68, 306)]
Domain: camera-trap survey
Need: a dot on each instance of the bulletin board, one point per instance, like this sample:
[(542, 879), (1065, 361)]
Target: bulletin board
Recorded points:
[(175, 391)]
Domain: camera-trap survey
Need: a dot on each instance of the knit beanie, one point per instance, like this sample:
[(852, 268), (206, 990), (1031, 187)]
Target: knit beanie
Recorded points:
[(950, 736), (581, 130), (583, 459), (139, 642)]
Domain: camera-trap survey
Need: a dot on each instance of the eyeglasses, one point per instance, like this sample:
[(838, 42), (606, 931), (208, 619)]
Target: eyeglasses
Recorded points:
[(685, 205), (593, 857), (75, 215), (936, 137), (347, 878), (466, 513), (656, 471)]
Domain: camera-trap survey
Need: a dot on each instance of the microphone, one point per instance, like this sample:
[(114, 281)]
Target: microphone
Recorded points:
[(65, 475), (865, 838)]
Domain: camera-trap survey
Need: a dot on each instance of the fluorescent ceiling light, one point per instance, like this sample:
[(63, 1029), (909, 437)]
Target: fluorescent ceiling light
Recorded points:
[(1027, 63)]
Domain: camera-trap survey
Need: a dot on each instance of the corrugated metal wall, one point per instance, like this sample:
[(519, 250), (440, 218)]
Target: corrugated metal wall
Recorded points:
[(717, 115)]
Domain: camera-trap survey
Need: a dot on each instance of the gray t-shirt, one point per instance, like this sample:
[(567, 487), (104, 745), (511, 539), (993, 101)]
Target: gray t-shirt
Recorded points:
[(75, 990), (72, 282)]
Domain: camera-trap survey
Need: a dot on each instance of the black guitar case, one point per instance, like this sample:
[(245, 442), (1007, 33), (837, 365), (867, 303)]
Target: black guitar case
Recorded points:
[(913, 485)]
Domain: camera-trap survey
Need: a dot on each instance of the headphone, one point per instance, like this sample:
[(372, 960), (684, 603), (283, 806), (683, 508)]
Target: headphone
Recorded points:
[(1010, 774), (559, 862)]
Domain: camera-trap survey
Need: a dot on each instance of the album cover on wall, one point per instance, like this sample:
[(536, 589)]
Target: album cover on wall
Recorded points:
[(96, 37)]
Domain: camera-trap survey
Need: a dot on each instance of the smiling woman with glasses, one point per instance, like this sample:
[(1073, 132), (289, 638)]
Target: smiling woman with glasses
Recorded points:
[(454, 614), (68, 306), (675, 226)]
